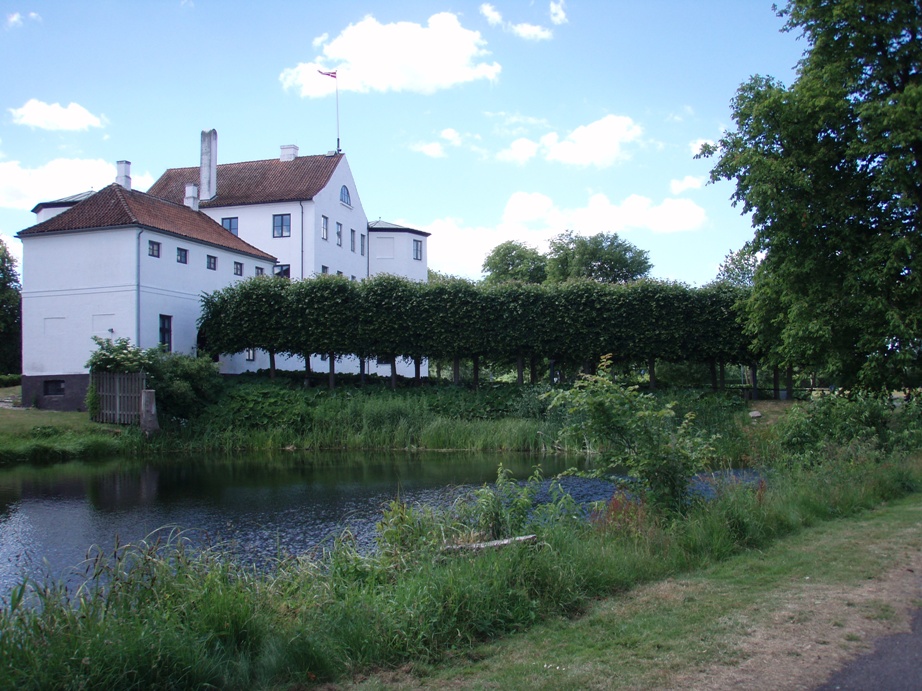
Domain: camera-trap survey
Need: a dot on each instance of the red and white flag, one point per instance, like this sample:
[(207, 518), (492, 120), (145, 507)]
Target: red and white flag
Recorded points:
[(328, 74)]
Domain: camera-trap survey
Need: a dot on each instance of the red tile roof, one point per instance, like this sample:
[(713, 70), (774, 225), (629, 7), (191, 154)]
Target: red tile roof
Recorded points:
[(254, 182), (114, 206)]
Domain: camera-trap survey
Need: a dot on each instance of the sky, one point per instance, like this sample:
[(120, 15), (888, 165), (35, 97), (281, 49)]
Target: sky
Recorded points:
[(476, 122)]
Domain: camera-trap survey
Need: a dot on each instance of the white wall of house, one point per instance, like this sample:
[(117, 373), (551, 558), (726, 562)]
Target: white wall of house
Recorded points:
[(95, 283), (395, 252)]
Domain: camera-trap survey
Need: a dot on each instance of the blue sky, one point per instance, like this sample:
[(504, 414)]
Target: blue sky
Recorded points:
[(477, 122)]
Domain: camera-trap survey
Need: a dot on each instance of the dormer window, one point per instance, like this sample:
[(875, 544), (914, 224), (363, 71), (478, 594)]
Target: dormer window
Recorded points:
[(344, 196)]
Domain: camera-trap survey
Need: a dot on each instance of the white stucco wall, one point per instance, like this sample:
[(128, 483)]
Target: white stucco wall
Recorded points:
[(392, 253), (77, 285)]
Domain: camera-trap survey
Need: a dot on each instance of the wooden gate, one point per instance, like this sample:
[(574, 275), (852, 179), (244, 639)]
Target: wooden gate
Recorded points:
[(119, 397)]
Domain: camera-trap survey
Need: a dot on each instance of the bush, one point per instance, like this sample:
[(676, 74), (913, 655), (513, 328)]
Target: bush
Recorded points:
[(636, 431)]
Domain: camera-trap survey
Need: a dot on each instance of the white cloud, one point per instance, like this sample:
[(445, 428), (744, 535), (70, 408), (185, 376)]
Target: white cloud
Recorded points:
[(491, 14), (22, 188), (53, 116), (695, 146), (689, 182), (531, 32), (535, 218), (431, 149), (520, 151), (14, 20), (515, 124), (320, 40), (558, 12), (452, 136), (370, 56), (598, 144)]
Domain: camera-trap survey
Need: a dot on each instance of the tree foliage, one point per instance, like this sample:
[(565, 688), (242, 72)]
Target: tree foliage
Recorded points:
[(831, 170), (575, 322), (514, 261), (604, 257), (10, 314)]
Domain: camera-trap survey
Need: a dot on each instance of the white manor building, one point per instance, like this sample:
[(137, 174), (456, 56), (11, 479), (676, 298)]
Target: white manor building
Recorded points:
[(121, 263)]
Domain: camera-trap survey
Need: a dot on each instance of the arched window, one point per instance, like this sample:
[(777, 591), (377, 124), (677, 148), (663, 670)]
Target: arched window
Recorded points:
[(344, 196)]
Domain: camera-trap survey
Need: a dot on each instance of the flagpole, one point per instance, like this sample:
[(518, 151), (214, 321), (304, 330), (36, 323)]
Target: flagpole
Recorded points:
[(333, 75)]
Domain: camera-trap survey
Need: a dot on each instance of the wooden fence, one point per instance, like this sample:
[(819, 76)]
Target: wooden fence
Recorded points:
[(119, 397)]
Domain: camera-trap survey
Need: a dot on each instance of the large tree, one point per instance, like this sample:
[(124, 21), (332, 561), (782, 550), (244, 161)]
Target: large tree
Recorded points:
[(514, 261), (10, 314), (831, 170), (605, 258)]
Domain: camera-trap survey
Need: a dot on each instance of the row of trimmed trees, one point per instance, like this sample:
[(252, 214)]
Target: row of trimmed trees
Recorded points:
[(572, 324)]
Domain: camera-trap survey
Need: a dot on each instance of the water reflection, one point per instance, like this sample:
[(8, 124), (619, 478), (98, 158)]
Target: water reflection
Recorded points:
[(262, 507)]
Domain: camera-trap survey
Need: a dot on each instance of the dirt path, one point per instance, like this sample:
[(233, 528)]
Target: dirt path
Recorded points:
[(816, 630)]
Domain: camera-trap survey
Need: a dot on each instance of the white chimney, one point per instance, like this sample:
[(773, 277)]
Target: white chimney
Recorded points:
[(208, 172), (123, 176), (289, 152), (191, 199)]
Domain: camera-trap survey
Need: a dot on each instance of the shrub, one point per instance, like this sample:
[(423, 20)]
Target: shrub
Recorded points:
[(636, 431)]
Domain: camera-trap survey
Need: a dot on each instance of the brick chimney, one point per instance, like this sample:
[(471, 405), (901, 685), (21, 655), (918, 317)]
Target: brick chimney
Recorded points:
[(123, 174), (208, 172)]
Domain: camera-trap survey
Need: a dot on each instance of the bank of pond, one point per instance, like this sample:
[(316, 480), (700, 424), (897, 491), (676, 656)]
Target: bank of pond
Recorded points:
[(171, 611)]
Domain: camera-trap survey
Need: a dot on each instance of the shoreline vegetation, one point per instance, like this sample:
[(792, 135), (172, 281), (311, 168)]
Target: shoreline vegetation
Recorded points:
[(164, 615)]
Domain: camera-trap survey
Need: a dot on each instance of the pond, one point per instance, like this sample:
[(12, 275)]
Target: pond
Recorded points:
[(260, 507)]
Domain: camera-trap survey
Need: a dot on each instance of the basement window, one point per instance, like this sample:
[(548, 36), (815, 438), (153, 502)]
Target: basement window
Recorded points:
[(53, 387)]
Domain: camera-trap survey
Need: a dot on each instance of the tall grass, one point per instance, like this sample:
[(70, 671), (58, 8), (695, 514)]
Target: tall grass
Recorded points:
[(159, 615)]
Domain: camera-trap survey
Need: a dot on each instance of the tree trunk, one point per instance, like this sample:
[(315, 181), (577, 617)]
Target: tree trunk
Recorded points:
[(456, 370), (776, 382), (362, 371), (753, 371), (476, 364), (393, 372), (307, 371), (332, 378), (271, 364), (713, 368), (520, 370), (417, 373), (651, 368)]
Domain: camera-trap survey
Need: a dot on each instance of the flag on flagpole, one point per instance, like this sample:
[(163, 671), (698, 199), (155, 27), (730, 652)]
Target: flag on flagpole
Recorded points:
[(328, 74)]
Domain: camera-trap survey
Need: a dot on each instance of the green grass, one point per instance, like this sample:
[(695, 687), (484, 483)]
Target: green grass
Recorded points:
[(168, 618), (646, 638)]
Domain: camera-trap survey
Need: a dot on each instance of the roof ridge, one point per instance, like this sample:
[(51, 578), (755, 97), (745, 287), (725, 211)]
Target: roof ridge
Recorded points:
[(120, 195)]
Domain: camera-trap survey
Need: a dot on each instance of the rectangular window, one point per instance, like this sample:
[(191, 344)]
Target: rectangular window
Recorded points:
[(251, 354), (418, 249), (153, 249), (238, 268), (166, 332), (182, 255), (282, 270), (281, 225), (352, 278), (230, 224), (324, 270), (53, 387), (339, 273), (362, 243), (339, 234), (324, 228), (260, 271), (352, 239), (211, 262)]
